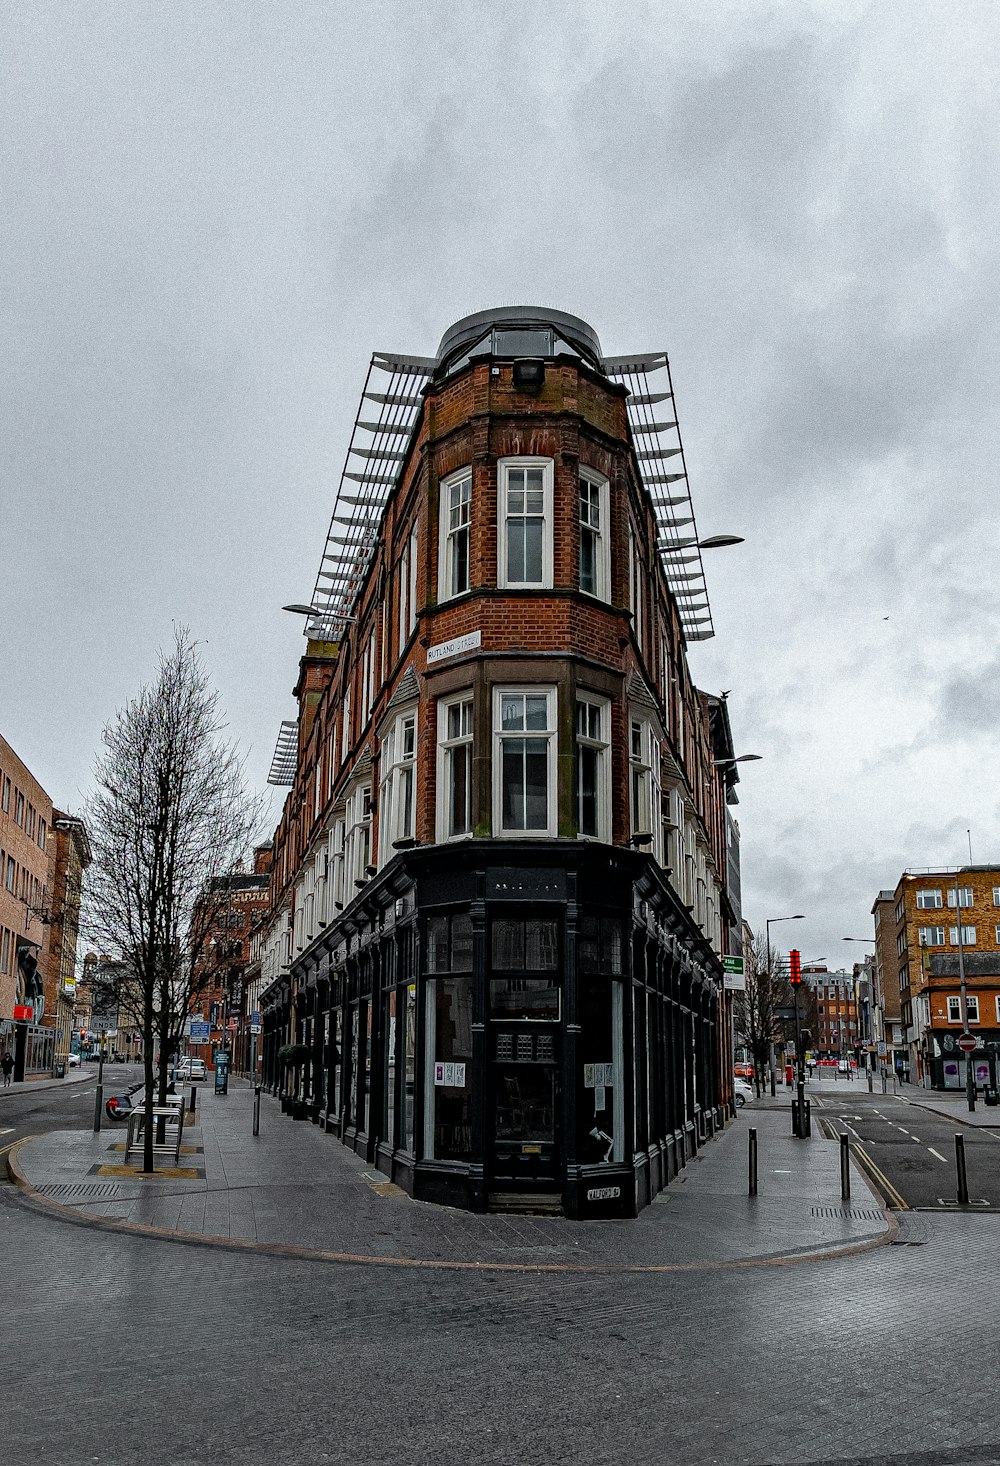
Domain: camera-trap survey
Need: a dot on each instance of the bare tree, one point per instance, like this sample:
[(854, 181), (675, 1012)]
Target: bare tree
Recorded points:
[(765, 1013), (170, 811), (756, 1010)]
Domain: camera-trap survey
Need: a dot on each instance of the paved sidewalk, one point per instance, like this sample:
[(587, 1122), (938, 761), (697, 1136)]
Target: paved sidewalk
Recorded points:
[(293, 1187)]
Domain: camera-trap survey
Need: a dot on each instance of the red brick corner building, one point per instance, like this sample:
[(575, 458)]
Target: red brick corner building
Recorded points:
[(500, 890)]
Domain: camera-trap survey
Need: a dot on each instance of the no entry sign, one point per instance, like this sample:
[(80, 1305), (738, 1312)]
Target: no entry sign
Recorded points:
[(968, 1042)]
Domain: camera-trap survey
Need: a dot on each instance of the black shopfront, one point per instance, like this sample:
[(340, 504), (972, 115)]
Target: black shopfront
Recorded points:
[(530, 1025)]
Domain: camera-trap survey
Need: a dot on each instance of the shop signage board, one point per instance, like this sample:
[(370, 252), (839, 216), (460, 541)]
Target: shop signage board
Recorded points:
[(450, 1075), (734, 978)]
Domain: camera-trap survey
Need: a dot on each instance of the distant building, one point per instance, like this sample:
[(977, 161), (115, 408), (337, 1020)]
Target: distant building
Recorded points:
[(837, 1027), (503, 879), (934, 912), (887, 1018), (42, 858), (71, 857), (242, 899)]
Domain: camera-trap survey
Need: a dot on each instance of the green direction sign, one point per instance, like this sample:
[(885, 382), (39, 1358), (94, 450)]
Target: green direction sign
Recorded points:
[(734, 964)]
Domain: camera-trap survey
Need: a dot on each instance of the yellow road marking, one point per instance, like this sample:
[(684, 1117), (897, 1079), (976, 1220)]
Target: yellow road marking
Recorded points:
[(891, 1194)]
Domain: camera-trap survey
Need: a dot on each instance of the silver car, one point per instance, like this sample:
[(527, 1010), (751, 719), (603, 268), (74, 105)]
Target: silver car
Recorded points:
[(741, 1093)]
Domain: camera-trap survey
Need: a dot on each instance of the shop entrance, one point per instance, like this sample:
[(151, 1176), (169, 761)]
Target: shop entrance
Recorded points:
[(525, 1104)]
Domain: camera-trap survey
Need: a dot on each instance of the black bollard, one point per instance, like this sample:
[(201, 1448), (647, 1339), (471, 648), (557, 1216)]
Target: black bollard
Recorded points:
[(845, 1167), (98, 1107), (256, 1111), (194, 1093), (752, 1151), (963, 1180)]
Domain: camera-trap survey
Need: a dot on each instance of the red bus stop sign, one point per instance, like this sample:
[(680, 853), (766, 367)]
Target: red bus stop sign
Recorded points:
[(968, 1043)]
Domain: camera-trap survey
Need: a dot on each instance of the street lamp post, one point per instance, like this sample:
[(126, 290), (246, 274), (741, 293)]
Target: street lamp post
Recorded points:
[(771, 921), (970, 1073)]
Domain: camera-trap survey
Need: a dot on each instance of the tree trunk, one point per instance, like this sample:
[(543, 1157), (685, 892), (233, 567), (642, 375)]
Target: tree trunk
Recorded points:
[(148, 1038)]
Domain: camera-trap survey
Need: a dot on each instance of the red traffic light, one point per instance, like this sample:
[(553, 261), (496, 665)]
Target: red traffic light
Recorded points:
[(795, 968)]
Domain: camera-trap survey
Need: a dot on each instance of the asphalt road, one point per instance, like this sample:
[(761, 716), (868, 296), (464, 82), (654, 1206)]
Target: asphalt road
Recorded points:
[(121, 1349), (909, 1152), (31, 1111)]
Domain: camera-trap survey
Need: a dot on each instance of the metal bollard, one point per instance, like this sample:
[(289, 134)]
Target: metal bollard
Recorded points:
[(845, 1166), (963, 1179), (256, 1110), (98, 1107), (194, 1092), (752, 1151), (774, 1090)]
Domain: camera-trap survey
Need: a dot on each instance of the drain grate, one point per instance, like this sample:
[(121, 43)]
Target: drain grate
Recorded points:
[(103, 1189), (848, 1213)]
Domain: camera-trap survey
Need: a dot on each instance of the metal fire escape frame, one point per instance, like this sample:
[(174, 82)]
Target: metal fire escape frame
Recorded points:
[(659, 451)]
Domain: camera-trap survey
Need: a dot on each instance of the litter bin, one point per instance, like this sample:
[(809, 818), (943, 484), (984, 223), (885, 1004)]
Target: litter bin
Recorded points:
[(801, 1119), (60, 1071), (990, 1095)]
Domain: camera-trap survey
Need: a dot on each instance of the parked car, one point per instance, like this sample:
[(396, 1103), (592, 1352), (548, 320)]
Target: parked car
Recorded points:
[(74, 1061), (741, 1093), (192, 1069)]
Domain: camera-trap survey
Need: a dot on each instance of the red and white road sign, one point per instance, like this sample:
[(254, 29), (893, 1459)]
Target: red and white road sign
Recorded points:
[(968, 1042)]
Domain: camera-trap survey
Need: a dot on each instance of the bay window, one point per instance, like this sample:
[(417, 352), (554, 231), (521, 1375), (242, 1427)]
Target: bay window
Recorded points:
[(524, 761), (595, 578), (593, 772), (397, 792), (524, 548), (644, 785), (454, 768), (456, 521)]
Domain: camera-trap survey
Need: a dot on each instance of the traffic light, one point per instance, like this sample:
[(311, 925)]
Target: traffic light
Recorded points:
[(795, 968)]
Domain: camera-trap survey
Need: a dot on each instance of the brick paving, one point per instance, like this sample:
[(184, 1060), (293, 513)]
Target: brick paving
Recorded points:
[(293, 1186)]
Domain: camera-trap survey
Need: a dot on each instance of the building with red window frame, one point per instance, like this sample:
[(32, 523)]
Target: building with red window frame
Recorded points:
[(500, 889)]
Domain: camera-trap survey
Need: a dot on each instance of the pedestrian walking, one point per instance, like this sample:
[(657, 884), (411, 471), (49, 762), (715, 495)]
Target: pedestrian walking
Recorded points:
[(7, 1065)]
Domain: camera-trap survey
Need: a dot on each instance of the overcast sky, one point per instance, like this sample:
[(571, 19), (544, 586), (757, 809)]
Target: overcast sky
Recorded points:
[(212, 214)]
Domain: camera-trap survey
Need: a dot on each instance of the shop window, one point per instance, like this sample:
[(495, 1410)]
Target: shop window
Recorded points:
[(525, 945), (525, 999), (525, 519), (448, 1076), (524, 761), (595, 577), (456, 522), (454, 812), (449, 943), (407, 1139), (599, 945), (593, 772), (389, 1066)]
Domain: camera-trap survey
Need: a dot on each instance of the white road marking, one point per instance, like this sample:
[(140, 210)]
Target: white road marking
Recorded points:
[(938, 1154), (905, 1132), (7, 1130)]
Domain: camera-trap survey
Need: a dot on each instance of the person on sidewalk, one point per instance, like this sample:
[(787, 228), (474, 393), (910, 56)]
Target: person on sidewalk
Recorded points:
[(7, 1065)]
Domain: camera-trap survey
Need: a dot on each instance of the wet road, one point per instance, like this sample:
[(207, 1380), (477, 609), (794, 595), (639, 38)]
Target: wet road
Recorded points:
[(31, 1111), (120, 1349), (909, 1152)]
